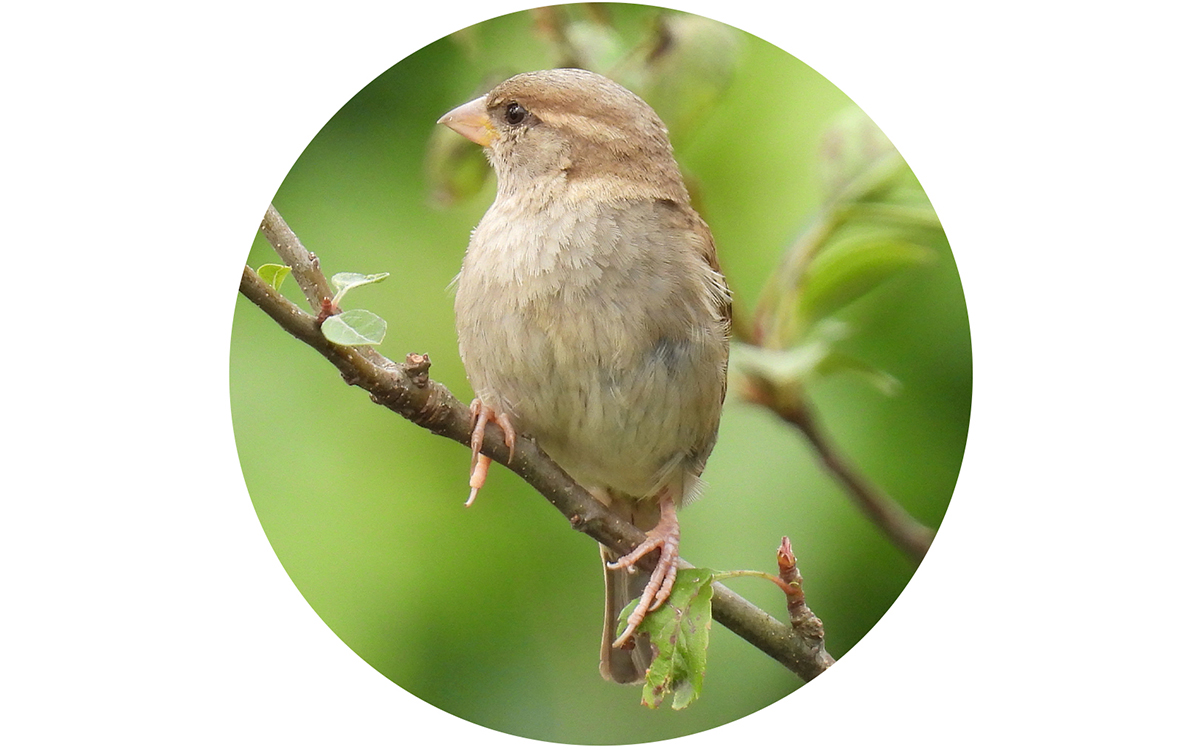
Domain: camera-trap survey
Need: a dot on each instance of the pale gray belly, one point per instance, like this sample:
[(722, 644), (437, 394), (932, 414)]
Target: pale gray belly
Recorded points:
[(615, 401)]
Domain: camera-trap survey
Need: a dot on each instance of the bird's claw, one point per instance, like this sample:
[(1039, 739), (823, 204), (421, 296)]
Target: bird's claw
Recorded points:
[(481, 414), (664, 537)]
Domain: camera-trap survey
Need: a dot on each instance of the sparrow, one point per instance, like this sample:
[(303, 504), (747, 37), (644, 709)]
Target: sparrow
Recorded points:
[(592, 316)]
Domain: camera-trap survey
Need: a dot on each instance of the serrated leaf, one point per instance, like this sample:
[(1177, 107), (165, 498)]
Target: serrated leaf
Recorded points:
[(679, 631), (273, 273), (845, 271), (354, 328), (345, 281)]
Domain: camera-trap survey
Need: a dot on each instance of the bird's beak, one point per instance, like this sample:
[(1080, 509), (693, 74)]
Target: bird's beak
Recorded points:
[(470, 120)]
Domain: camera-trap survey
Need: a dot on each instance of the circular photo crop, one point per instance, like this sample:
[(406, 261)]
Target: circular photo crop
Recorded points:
[(703, 323)]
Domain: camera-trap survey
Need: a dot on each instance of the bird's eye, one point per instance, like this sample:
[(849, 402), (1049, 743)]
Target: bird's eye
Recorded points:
[(515, 114)]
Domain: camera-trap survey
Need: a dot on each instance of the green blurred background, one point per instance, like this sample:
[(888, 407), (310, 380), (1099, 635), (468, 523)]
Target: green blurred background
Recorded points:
[(493, 613)]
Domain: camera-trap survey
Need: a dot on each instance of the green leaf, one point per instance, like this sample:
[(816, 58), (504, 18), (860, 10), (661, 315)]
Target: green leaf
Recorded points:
[(791, 370), (344, 282), (678, 630), (837, 363), (785, 368), (273, 274), (915, 214), (845, 271), (355, 328)]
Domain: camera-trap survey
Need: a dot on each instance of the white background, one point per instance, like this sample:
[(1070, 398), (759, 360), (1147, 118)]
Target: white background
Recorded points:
[(141, 602)]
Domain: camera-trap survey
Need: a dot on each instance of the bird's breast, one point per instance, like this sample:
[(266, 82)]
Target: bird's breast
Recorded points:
[(583, 326)]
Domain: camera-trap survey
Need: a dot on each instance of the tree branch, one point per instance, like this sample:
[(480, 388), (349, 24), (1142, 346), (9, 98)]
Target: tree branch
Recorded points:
[(407, 390), (902, 529), (305, 266)]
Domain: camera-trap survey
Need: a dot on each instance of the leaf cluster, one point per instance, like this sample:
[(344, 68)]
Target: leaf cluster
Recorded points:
[(347, 328), (875, 225)]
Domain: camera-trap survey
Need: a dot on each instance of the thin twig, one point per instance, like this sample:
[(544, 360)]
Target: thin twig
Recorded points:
[(408, 390), (305, 266), (804, 622), (906, 532)]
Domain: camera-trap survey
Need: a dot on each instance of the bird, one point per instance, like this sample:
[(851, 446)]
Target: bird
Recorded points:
[(593, 317)]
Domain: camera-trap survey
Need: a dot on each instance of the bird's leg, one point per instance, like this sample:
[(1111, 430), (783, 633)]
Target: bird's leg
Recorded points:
[(665, 538), (481, 414)]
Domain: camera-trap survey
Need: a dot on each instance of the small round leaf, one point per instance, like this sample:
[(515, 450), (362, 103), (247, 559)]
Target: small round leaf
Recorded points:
[(273, 274), (355, 328)]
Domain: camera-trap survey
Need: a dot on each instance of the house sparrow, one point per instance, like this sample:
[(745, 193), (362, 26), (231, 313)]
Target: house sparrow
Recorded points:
[(592, 315)]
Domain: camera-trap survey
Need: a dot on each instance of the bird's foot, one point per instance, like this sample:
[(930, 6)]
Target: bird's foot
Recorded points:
[(664, 537), (480, 416)]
